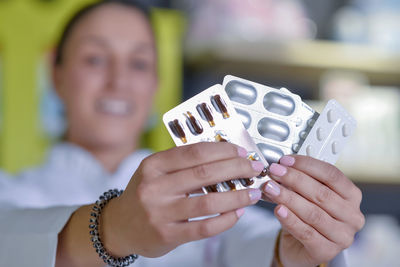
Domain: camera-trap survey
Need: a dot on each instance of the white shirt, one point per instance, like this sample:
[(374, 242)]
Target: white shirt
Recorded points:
[(69, 176), (72, 177)]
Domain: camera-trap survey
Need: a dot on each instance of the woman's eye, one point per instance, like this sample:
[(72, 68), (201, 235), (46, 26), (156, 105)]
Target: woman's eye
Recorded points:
[(139, 65), (94, 60)]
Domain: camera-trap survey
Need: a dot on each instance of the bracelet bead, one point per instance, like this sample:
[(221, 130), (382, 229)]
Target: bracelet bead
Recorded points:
[(94, 233)]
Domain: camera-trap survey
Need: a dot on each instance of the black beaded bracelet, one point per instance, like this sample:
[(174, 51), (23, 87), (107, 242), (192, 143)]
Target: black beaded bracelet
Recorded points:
[(95, 236)]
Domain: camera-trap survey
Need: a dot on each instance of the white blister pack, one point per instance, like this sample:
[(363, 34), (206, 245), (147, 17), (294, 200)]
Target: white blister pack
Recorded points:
[(276, 119), (210, 117), (329, 134)]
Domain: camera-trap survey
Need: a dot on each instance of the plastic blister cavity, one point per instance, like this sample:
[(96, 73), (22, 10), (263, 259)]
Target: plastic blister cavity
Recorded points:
[(211, 117), (276, 119), (329, 134)]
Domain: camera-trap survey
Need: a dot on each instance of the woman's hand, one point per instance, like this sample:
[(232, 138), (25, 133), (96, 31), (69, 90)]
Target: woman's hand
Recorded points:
[(318, 207), (151, 216)]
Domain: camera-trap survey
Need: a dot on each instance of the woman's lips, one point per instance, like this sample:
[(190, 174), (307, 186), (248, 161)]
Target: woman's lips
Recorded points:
[(115, 107)]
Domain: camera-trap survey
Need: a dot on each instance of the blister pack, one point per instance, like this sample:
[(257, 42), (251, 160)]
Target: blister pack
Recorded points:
[(329, 134), (210, 117), (276, 119), (268, 122)]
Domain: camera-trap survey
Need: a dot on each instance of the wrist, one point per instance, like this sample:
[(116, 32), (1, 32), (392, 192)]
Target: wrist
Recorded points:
[(276, 262), (111, 230), (111, 255)]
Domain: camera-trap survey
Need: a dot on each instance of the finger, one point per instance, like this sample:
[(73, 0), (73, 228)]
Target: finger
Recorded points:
[(308, 212), (325, 173), (313, 190), (266, 198), (319, 248), (195, 230), (192, 155), (190, 179), (213, 203)]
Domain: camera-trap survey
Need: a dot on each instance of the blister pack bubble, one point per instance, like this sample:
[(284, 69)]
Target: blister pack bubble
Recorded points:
[(210, 117), (276, 119)]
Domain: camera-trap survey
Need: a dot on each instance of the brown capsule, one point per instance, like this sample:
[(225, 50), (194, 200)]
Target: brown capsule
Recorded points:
[(263, 173), (220, 105), (254, 157), (205, 113), (177, 129), (193, 124), (246, 181), (212, 188), (251, 157), (231, 185), (219, 138)]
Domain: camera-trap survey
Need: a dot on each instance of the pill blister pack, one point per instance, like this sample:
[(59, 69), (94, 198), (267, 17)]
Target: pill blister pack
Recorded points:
[(210, 117), (268, 122), (277, 120), (329, 134)]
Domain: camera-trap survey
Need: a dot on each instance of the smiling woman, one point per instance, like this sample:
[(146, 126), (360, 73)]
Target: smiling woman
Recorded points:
[(105, 72)]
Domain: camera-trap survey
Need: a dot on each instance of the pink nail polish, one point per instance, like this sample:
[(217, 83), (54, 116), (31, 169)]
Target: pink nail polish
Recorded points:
[(242, 152), (287, 161), (272, 188), (255, 195), (277, 169), (257, 166), (282, 212), (239, 212)]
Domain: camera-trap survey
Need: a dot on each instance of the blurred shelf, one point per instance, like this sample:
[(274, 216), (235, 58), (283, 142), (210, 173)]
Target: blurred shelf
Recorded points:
[(297, 59), (376, 178), (370, 171), (380, 198)]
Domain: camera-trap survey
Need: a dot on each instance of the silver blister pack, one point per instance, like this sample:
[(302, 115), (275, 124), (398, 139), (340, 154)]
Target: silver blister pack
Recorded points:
[(210, 117), (276, 119)]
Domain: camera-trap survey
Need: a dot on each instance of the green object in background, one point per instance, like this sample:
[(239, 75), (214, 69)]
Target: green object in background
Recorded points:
[(27, 30), (168, 28)]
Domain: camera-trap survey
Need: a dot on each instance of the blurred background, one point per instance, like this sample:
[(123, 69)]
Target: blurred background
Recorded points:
[(343, 49)]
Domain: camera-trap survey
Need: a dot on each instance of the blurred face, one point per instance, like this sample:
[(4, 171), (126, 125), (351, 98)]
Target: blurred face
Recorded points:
[(107, 78)]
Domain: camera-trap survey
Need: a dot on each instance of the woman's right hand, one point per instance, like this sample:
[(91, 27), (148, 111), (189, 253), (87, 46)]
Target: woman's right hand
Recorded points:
[(151, 216)]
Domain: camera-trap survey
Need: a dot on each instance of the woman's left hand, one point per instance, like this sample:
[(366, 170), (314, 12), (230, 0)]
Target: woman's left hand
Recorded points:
[(318, 208)]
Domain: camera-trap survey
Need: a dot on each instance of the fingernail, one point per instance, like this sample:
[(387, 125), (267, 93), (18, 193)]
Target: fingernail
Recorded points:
[(239, 212), (272, 188), (277, 169), (242, 152), (287, 161), (255, 195), (257, 166), (282, 212)]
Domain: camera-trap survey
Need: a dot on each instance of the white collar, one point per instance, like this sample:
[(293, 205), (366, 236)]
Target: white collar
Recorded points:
[(67, 155)]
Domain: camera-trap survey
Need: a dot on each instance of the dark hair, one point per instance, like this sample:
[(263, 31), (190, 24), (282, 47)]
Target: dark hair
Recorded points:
[(81, 13)]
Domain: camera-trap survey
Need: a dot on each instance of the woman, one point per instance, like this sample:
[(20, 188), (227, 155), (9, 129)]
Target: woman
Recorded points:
[(106, 75)]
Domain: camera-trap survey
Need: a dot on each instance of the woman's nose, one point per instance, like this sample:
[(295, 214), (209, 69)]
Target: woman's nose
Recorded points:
[(118, 76)]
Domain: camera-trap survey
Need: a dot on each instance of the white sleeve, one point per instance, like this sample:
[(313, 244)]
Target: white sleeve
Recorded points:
[(29, 236)]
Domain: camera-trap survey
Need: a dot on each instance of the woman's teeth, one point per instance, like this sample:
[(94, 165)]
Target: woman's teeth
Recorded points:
[(114, 107)]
